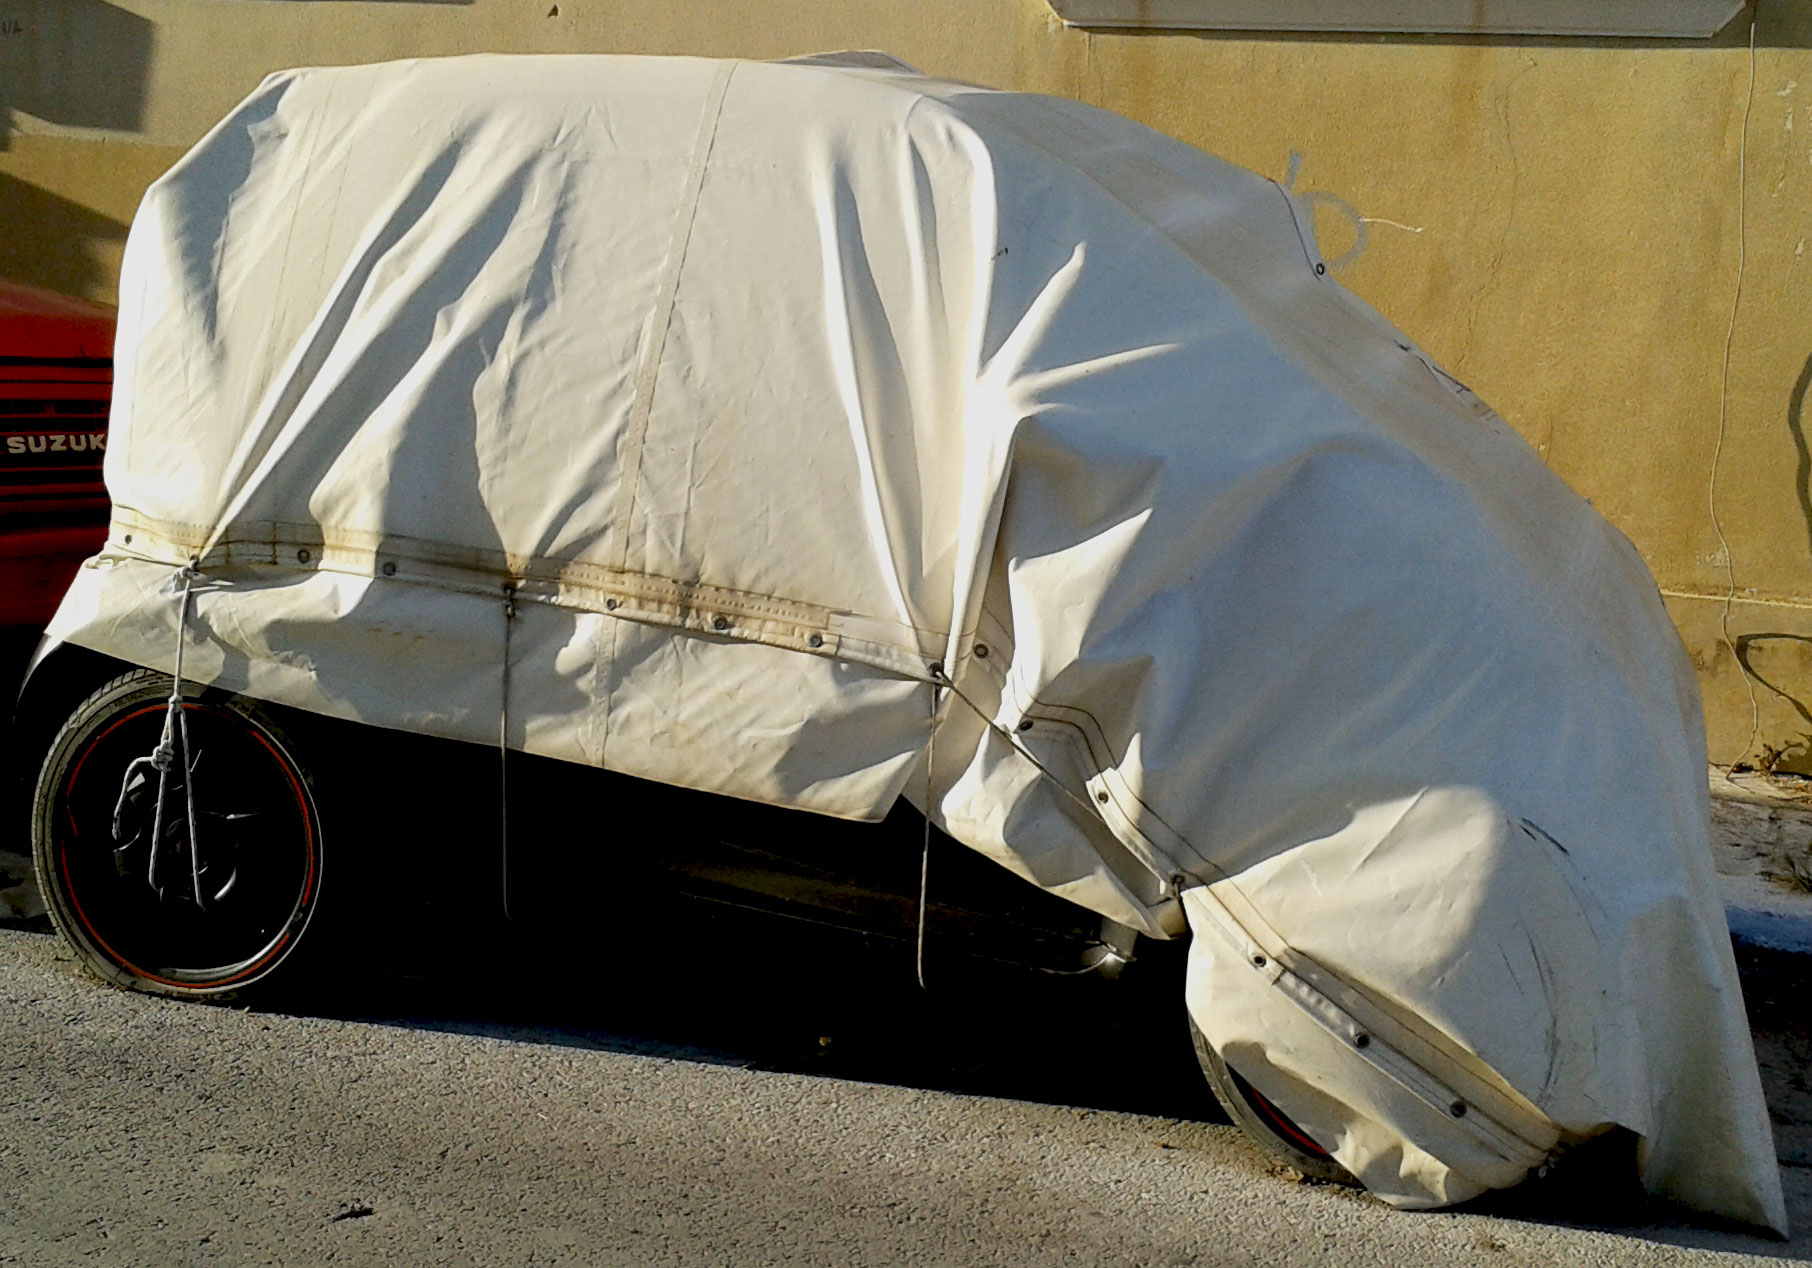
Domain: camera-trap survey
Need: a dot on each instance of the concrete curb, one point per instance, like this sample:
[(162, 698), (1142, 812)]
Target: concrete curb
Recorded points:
[(1761, 838)]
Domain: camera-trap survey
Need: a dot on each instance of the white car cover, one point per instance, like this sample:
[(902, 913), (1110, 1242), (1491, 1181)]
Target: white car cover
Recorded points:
[(819, 432)]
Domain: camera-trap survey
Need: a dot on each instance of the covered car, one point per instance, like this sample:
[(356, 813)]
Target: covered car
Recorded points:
[(822, 434)]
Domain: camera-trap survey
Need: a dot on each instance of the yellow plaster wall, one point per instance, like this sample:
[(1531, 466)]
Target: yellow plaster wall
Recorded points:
[(1560, 222)]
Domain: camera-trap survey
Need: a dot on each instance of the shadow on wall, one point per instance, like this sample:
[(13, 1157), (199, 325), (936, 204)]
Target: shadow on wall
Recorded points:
[(86, 63), (1802, 471), (1793, 654), (53, 243), (80, 63)]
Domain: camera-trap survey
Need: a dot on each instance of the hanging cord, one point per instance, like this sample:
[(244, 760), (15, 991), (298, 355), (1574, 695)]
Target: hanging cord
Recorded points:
[(937, 670), (503, 751), (1717, 453), (175, 733)]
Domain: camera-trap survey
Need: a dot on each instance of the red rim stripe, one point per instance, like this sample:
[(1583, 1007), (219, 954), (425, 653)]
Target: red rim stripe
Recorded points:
[(308, 881)]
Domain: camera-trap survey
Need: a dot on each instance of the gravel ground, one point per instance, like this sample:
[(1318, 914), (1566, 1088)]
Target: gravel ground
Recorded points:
[(794, 1107)]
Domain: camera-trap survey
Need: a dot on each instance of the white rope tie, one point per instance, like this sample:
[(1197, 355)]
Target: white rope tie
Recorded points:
[(925, 856), (175, 735), (503, 751)]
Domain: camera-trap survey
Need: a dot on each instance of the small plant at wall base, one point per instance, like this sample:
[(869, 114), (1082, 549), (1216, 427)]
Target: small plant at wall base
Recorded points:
[(1780, 760), (1795, 870)]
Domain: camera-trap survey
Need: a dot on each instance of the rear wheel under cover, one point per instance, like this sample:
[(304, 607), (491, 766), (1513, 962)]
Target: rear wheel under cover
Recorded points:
[(1269, 1127), (144, 903)]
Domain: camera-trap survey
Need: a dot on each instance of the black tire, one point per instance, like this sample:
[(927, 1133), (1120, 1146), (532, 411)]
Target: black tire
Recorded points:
[(257, 874), (1262, 1122)]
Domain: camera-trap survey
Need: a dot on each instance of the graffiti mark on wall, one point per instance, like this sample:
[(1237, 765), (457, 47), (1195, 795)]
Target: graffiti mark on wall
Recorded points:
[(1314, 198), (1310, 199)]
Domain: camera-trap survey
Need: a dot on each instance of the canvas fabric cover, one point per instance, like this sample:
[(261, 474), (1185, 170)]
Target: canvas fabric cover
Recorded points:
[(816, 417)]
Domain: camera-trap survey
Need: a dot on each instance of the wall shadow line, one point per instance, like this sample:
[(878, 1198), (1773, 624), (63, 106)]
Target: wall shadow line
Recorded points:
[(1796, 427)]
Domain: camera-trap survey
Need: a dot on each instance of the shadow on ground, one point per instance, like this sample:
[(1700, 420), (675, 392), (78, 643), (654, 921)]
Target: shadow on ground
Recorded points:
[(750, 994), (745, 992), (742, 992)]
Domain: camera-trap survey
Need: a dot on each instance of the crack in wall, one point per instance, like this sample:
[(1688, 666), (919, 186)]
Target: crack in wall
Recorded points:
[(1494, 263)]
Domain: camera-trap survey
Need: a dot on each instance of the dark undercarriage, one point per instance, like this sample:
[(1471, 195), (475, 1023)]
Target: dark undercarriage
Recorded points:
[(417, 851)]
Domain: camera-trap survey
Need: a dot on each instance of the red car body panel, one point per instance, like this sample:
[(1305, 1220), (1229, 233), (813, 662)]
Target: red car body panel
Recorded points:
[(56, 382)]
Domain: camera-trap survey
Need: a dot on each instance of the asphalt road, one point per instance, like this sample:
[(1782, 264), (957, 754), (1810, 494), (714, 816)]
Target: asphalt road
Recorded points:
[(734, 1110)]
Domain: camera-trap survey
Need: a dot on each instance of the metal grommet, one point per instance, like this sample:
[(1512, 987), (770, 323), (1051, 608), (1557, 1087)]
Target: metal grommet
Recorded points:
[(1362, 1040), (389, 568), (1457, 1109), (128, 539), (1321, 270), (611, 605), (721, 623), (937, 668), (816, 640), (1025, 724), (1258, 961), (302, 556), (981, 651), (1101, 796)]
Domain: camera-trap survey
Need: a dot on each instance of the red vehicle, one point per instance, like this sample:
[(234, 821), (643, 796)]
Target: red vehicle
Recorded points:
[(56, 380)]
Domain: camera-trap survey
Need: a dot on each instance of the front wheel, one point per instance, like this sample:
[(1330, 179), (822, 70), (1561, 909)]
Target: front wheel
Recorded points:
[(209, 895), (1262, 1122)]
